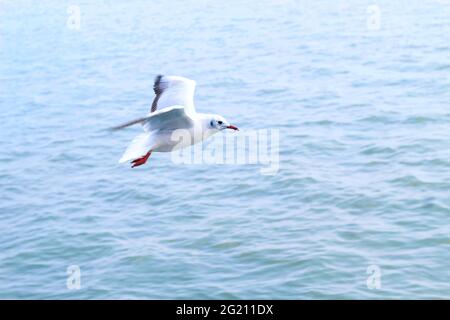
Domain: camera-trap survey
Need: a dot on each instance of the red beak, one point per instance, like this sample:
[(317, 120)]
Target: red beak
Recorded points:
[(232, 127)]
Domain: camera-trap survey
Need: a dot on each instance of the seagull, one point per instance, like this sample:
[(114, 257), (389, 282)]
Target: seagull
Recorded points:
[(172, 109)]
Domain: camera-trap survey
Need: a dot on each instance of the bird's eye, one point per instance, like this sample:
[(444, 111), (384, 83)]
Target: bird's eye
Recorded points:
[(219, 122)]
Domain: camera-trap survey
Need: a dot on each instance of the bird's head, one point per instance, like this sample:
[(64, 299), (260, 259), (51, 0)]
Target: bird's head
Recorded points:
[(219, 123)]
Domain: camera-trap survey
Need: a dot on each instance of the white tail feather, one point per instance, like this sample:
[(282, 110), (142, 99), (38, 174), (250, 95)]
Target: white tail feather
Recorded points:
[(139, 147)]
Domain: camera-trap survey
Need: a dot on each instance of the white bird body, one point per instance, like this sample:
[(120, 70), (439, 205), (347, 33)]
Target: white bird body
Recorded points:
[(175, 125)]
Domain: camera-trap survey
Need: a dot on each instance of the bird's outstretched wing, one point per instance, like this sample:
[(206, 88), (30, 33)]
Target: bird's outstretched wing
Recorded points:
[(127, 124), (173, 90), (172, 118)]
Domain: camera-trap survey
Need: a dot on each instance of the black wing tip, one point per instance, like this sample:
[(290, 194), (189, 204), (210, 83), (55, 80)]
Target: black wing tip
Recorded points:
[(156, 85), (157, 88)]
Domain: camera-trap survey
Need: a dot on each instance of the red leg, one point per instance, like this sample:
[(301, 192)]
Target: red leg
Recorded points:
[(140, 161)]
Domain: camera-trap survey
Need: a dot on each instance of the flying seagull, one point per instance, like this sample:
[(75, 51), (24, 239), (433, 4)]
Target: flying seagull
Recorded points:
[(172, 109)]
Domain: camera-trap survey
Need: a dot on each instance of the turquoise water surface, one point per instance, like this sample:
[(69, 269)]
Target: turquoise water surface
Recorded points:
[(360, 94)]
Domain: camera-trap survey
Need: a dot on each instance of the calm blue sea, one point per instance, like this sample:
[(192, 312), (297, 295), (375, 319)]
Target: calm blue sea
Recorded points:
[(360, 206)]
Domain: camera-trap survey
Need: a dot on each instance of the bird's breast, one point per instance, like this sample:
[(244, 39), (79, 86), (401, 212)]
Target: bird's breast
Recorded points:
[(172, 140)]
